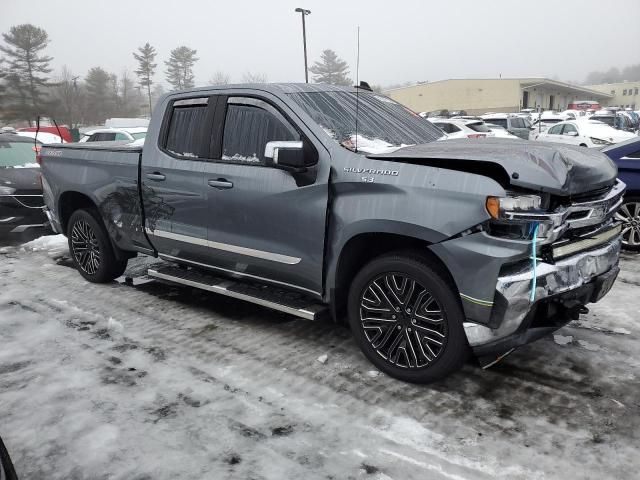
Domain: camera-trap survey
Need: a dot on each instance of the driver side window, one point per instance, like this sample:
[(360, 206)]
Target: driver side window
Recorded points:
[(249, 125)]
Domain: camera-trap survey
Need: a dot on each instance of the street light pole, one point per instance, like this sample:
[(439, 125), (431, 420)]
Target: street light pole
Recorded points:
[(304, 13)]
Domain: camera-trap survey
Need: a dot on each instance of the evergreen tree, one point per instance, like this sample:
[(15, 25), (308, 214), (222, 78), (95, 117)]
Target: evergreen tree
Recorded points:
[(146, 68), (99, 95), (330, 69), (27, 69), (180, 68)]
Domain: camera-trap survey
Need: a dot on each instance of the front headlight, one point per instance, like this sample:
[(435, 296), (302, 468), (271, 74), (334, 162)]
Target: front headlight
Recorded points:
[(6, 190), (599, 141), (499, 206)]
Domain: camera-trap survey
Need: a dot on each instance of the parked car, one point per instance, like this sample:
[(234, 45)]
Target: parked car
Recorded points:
[(584, 133), (543, 122), (21, 204), (42, 137), (500, 132), (274, 194), (462, 128), (114, 134), (7, 470), (626, 156), (615, 120), (60, 131), (514, 124)]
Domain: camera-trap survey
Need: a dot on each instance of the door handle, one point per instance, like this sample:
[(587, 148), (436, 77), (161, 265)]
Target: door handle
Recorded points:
[(220, 183), (158, 177)]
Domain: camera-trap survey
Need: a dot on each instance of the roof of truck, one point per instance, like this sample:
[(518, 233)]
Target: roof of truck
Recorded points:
[(279, 88)]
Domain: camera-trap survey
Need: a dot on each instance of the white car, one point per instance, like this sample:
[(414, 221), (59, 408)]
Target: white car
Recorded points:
[(501, 132), (43, 137), (585, 133), (462, 128), (114, 134)]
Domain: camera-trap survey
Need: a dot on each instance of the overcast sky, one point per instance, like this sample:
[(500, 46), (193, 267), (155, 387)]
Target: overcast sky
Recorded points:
[(400, 40)]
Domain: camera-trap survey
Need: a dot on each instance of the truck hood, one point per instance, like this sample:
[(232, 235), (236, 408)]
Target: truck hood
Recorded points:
[(544, 167)]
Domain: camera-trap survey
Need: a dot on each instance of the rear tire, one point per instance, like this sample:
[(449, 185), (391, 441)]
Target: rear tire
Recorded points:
[(91, 249), (629, 214), (406, 317)]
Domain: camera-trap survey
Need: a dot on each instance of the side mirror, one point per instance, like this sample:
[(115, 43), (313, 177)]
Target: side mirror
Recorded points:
[(6, 467), (572, 134), (288, 155)]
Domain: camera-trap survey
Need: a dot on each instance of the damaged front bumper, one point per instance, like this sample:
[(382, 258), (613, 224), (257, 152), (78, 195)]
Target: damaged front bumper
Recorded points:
[(563, 288)]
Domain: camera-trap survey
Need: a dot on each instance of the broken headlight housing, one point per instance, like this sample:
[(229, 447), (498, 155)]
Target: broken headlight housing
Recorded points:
[(516, 215)]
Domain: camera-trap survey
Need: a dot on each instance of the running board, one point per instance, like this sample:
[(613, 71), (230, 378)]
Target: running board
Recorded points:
[(286, 301)]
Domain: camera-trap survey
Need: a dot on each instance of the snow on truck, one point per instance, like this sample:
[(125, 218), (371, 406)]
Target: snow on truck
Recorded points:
[(282, 195)]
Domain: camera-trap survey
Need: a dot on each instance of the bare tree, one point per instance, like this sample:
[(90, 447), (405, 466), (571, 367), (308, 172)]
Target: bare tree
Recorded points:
[(250, 77), (219, 78), (66, 98)]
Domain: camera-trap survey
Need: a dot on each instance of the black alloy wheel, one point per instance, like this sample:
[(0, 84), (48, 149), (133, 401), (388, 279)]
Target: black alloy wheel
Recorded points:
[(85, 247), (406, 316), (91, 249), (402, 320)]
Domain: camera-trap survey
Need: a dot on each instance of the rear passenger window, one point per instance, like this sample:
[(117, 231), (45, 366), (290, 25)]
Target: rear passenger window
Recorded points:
[(555, 130), (249, 125), (187, 132), (517, 123)]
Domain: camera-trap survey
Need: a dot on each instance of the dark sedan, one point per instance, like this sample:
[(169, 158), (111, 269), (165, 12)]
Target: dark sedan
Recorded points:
[(626, 155), (21, 212)]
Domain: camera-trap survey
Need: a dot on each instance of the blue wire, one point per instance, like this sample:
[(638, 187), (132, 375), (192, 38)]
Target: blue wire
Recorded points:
[(534, 260)]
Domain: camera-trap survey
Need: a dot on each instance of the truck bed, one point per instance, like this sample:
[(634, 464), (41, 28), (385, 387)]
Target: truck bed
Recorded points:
[(107, 174)]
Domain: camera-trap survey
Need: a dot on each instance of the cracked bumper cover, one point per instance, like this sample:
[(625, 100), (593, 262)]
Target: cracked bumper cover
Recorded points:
[(567, 284)]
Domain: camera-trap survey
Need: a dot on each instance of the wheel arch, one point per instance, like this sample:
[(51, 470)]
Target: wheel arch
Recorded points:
[(69, 202), (363, 247)]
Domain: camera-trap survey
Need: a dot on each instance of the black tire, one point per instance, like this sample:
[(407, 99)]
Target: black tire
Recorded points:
[(584, 145), (91, 249), (417, 357), (629, 214)]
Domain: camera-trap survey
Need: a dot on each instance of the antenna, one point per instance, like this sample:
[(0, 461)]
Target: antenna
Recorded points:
[(357, 85)]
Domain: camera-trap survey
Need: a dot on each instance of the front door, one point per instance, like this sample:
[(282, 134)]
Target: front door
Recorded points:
[(265, 222), (175, 207)]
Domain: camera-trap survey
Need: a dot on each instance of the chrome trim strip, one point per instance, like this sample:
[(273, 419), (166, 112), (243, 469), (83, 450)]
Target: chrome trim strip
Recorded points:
[(477, 301), (224, 290), (22, 228), (7, 220), (250, 252), (584, 244), (234, 272)]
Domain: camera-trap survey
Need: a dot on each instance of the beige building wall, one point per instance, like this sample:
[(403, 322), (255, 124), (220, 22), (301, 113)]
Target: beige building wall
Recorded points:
[(474, 96), (625, 94), (478, 96)]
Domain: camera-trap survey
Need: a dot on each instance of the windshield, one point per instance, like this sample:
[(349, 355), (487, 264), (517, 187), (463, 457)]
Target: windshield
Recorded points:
[(383, 124), (501, 122), (17, 154), (605, 119), (137, 136), (478, 127)]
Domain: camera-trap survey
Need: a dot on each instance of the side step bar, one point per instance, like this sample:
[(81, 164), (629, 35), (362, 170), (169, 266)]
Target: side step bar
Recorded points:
[(275, 298)]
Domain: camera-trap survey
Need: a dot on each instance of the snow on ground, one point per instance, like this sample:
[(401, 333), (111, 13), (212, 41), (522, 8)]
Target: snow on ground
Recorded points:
[(152, 381)]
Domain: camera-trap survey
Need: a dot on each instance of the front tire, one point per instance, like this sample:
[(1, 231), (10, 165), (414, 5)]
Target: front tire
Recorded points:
[(629, 214), (407, 319), (91, 249)]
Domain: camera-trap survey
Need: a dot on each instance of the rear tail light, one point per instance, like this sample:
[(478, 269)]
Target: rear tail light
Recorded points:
[(38, 150), (476, 135)]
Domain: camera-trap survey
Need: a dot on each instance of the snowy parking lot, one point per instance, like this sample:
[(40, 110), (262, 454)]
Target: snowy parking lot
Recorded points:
[(151, 381)]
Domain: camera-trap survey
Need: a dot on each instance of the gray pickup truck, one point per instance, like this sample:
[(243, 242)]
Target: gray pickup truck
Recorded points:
[(317, 200)]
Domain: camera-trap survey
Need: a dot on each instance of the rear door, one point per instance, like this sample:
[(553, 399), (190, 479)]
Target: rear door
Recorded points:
[(265, 222), (175, 206)]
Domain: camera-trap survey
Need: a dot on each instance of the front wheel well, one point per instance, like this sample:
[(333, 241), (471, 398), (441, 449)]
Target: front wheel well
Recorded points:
[(363, 248), (70, 202)]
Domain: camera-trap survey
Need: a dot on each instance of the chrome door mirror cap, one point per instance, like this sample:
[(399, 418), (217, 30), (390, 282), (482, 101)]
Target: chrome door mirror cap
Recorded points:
[(272, 148)]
